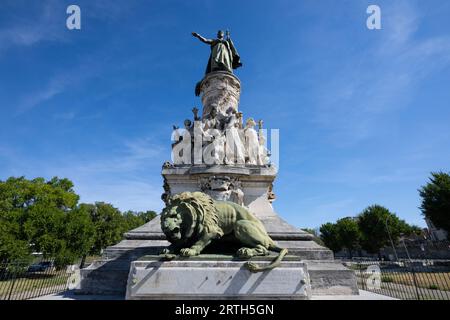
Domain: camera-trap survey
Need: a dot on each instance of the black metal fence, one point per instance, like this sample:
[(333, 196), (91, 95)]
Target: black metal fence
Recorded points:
[(22, 281), (406, 280), (418, 249)]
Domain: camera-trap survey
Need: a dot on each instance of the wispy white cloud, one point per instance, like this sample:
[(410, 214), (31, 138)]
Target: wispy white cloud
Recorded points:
[(131, 156), (403, 20), (126, 194), (363, 172), (128, 176), (30, 100), (42, 23), (45, 20), (56, 85), (381, 78)]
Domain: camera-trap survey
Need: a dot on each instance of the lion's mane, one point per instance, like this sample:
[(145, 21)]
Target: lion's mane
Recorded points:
[(198, 207)]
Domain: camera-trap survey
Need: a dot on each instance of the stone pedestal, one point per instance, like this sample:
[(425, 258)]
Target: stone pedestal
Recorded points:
[(219, 89), (255, 183), (215, 277)]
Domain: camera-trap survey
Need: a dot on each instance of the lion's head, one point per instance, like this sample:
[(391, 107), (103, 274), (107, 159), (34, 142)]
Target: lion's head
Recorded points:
[(187, 215)]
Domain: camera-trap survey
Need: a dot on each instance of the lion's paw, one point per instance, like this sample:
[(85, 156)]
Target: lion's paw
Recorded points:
[(187, 252), (245, 253)]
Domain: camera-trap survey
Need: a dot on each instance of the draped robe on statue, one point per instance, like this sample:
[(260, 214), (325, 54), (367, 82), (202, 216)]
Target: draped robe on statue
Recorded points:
[(234, 148), (224, 56)]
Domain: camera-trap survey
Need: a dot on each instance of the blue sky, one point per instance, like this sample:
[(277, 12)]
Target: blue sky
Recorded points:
[(363, 115)]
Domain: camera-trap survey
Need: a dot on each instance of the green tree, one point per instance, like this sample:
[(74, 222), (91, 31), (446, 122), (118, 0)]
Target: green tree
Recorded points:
[(134, 219), (44, 216), (378, 225), (80, 233), (414, 230), (147, 215), (330, 237), (12, 248), (108, 224), (436, 200), (32, 214), (348, 234)]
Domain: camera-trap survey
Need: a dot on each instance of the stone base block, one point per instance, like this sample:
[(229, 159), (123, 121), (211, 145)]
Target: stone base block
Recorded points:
[(331, 278), (213, 277)]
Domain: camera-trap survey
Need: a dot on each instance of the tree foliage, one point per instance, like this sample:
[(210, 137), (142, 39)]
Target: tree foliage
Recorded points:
[(33, 214), (377, 225), (344, 233), (436, 200), (108, 225), (348, 234), (329, 236), (369, 231), (133, 219), (44, 216)]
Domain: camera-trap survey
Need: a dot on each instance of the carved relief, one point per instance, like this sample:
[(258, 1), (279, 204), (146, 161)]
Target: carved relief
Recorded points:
[(167, 193), (221, 90), (270, 194), (167, 165), (223, 188)]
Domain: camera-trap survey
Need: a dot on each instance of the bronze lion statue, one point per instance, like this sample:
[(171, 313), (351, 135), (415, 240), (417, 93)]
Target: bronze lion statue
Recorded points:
[(192, 220)]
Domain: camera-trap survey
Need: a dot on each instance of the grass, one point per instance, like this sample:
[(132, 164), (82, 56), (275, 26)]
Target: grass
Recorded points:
[(426, 280), (90, 259), (387, 279), (433, 287)]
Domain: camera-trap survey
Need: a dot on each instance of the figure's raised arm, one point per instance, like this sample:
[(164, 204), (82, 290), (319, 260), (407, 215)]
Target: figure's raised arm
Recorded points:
[(204, 40)]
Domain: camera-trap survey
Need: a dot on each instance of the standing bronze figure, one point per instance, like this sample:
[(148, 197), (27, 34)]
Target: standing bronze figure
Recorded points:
[(224, 56)]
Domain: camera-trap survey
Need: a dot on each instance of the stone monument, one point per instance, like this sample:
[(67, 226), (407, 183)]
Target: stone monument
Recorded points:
[(216, 157)]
